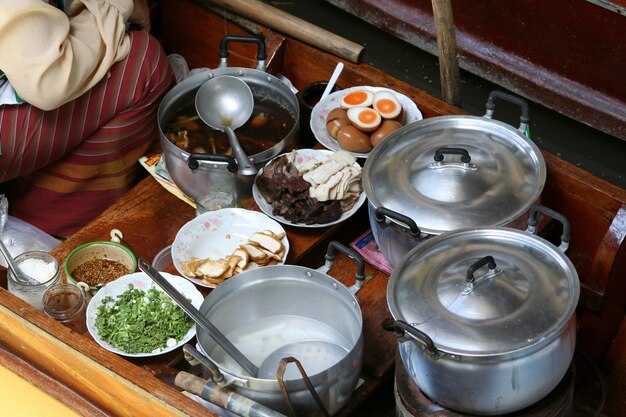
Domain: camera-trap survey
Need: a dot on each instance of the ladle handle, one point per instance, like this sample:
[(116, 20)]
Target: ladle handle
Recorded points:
[(202, 321), (245, 166)]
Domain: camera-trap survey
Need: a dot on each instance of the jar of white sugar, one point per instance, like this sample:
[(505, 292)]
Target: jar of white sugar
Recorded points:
[(42, 268)]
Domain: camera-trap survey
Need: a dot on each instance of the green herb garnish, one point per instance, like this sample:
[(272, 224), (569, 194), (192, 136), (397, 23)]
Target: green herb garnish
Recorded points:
[(141, 322)]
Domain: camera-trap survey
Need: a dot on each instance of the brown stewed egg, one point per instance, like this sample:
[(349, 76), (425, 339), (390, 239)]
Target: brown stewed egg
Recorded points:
[(365, 119), (357, 98), (387, 104)]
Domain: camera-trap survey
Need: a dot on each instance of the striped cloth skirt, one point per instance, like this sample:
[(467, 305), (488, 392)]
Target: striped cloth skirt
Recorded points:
[(62, 168)]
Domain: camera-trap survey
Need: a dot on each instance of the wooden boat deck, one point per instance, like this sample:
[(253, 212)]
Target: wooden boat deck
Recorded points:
[(73, 368)]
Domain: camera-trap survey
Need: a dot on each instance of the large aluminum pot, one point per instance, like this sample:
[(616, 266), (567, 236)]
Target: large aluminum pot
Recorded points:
[(274, 296), (485, 317), (445, 173), (194, 173)]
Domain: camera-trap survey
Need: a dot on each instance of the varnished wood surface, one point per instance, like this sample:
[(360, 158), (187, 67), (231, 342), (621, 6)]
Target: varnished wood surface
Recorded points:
[(150, 217)]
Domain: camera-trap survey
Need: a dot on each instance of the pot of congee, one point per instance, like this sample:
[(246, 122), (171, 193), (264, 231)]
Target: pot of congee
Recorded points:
[(198, 157)]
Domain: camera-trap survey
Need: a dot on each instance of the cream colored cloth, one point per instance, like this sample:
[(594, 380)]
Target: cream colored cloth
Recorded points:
[(50, 58)]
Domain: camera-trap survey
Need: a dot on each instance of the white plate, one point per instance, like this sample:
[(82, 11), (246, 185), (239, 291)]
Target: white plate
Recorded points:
[(143, 282), (216, 235), (301, 156), (321, 110)]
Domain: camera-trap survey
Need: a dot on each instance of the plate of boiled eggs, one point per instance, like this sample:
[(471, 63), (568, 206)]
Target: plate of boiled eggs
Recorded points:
[(358, 118)]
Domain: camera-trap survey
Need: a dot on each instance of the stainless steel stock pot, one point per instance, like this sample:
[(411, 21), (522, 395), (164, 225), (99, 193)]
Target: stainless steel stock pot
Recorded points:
[(485, 317), (276, 296), (450, 172), (193, 173)]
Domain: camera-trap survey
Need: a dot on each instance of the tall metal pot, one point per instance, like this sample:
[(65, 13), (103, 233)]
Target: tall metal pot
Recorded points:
[(449, 172), (287, 290), (485, 317), (194, 173)]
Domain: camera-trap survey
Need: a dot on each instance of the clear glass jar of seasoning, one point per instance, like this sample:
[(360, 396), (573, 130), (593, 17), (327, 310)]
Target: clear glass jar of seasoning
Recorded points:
[(66, 304), (43, 268)]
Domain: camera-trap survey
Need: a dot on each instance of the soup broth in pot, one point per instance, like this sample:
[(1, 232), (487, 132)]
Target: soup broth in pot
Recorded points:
[(269, 124)]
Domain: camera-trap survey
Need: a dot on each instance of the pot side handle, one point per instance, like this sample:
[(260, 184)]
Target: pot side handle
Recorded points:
[(359, 276), (402, 328), (491, 107), (261, 55), (532, 223), (382, 213), (193, 164)]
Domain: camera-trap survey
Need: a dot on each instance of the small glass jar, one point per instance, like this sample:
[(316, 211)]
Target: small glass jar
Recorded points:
[(43, 268), (215, 198), (66, 304)]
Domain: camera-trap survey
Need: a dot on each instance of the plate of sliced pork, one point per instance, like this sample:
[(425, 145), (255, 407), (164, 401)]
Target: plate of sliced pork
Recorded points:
[(310, 187)]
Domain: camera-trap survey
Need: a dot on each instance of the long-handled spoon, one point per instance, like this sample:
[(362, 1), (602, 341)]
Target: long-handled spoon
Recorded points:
[(226, 103), (17, 272), (332, 81)]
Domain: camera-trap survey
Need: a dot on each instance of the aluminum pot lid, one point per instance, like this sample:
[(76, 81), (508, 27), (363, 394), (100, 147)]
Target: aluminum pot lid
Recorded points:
[(527, 299), (419, 171)]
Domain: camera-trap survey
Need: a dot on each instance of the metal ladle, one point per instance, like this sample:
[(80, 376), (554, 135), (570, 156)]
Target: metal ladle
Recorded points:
[(17, 272), (226, 103), (200, 320), (308, 351)]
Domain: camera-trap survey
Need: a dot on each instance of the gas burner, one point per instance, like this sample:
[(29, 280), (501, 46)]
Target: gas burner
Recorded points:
[(411, 402)]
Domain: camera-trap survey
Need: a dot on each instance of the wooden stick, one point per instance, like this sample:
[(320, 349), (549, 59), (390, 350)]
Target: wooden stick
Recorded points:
[(448, 60), (295, 27), (246, 24)]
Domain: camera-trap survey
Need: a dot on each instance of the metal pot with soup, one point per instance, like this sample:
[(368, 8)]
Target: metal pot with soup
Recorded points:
[(198, 157)]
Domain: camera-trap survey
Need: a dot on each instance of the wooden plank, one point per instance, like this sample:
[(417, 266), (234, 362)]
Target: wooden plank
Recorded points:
[(47, 384), (564, 54), (150, 218), (104, 379)]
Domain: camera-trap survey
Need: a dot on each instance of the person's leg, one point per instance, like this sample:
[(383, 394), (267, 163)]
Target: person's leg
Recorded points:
[(81, 157)]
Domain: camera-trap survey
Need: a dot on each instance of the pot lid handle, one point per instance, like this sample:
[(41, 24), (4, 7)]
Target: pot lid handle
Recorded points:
[(491, 107), (532, 223)]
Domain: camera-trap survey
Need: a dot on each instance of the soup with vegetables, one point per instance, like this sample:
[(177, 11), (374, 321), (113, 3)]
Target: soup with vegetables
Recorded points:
[(269, 124)]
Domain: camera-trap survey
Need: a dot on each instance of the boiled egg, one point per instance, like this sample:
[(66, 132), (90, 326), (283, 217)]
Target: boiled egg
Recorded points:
[(387, 104), (365, 119), (357, 98), (385, 129), (352, 139)]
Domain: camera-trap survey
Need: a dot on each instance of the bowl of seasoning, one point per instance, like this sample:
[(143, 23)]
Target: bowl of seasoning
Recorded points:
[(98, 263)]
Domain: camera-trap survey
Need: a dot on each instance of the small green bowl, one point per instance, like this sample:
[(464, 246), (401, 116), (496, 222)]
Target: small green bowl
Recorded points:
[(103, 249)]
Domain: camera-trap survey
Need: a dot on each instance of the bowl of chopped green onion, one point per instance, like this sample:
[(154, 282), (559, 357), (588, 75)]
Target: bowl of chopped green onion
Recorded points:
[(133, 317)]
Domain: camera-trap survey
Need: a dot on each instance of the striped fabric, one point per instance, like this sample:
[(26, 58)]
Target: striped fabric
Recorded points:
[(70, 164)]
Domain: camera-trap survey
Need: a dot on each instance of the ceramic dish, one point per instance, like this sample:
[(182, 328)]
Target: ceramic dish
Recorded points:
[(101, 251), (301, 156), (216, 235), (143, 282), (321, 110)]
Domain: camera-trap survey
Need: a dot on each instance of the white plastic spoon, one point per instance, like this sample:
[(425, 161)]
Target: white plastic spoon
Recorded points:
[(333, 80)]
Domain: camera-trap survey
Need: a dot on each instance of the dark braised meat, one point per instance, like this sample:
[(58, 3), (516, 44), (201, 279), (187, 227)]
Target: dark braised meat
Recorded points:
[(284, 189)]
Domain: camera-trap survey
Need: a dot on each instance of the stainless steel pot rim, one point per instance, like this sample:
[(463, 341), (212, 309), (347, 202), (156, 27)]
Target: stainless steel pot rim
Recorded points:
[(248, 75), (278, 277), (523, 304), (504, 178)]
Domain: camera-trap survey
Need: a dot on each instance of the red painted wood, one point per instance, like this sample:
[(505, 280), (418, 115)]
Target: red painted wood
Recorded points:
[(565, 54)]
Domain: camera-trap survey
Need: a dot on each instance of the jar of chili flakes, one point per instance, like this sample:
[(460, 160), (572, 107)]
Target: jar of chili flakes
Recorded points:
[(66, 304)]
